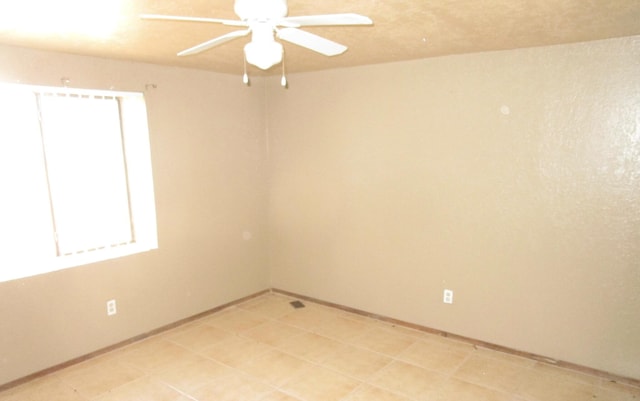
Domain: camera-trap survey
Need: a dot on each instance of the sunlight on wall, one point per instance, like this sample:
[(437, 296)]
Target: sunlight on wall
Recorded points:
[(96, 18)]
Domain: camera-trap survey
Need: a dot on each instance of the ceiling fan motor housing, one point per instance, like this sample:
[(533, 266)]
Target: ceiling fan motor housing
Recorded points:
[(249, 10)]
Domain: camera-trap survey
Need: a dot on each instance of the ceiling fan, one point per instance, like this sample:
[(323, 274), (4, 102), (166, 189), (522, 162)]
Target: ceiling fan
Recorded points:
[(267, 20)]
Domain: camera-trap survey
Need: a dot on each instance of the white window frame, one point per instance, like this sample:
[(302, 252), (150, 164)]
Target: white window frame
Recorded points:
[(137, 156)]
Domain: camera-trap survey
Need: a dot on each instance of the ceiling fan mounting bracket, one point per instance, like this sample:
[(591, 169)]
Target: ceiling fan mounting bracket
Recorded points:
[(249, 10)]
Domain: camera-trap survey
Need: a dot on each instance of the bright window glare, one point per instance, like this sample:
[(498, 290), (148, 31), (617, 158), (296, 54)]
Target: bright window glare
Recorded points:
[(97, 18), (76, 185)]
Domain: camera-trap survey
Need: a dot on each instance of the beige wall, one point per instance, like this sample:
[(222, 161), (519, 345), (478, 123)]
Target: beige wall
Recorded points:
[(512, 178), (207, 140)]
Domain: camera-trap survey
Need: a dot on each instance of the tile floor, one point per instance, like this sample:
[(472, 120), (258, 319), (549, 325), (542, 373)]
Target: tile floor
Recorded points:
[(265, 350)]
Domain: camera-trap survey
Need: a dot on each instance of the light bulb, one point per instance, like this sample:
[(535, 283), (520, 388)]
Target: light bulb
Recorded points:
[(245, 79), (283, 81)]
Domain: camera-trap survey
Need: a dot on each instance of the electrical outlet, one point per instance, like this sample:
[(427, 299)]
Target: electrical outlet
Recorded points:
[(111, 307), (448, 297)]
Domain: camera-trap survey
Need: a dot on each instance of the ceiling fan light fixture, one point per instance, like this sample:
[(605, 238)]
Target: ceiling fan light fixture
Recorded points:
[(263, 55)]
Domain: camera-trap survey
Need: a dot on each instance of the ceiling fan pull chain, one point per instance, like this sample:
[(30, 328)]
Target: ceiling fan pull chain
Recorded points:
[(283, 81), (245, 76)]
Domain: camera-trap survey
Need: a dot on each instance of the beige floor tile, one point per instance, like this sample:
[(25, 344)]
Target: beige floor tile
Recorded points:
[(273, 333), (235, 351), (371, 393), (447, 343), (541, 383), (320, 384), (189, 376), (352, 315), (279, 396), (308, 318), (198, 337), (497, 373), (409, 380), (343, 329), (383, 340), (235, 320), (99, 375), (143, 389), (407, 331), (153, 354), (237, 387), (265, 350), (433, 356), (503, 356), (274, 367), (311, 346), (458, 390), (48, 388), (356, 362), (565, 374), (270, 306), (612, 391)]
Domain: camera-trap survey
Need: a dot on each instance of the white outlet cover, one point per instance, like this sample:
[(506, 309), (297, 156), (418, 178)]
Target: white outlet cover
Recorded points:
[(447, 297), (111, 307)]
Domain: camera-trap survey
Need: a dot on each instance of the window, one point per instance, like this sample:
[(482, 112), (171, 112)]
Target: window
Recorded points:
[(75, 176)]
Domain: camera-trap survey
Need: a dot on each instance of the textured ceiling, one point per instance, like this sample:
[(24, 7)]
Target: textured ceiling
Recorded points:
[(402, 30)]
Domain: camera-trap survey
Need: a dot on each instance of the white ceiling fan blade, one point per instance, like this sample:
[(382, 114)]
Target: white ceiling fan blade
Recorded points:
[(214, 42), (194, 19), (311, 41), (326, 20)]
